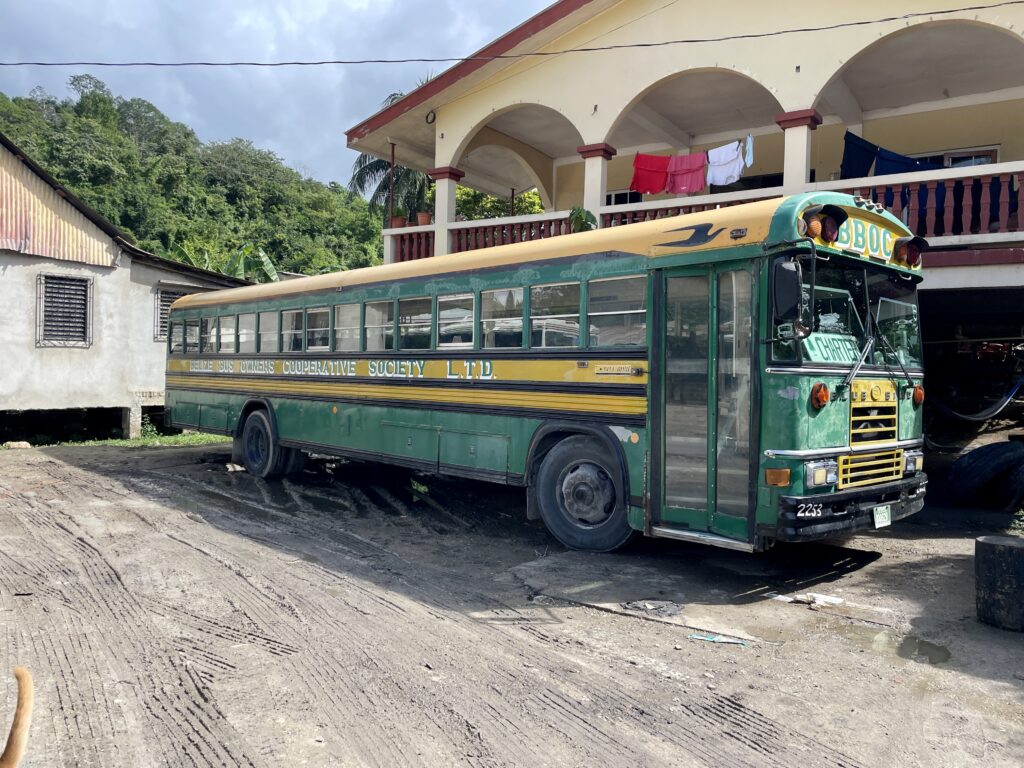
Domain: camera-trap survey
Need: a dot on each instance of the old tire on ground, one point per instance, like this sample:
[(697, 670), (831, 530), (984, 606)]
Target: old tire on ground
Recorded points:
[(999, 579), (970, 475), (577, 497), (296, 462), (261, 454)]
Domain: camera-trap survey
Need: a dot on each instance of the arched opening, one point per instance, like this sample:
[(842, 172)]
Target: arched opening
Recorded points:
[(694, 111), (516, 148)]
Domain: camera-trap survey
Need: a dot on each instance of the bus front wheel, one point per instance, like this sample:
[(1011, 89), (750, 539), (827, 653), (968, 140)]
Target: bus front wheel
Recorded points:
[(577, 497), (261, 454)]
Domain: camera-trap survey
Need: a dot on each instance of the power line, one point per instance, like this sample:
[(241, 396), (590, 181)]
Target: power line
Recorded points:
[(508, 56)]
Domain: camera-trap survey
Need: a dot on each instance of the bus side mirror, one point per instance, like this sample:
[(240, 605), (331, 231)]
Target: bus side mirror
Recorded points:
[(787, 292)]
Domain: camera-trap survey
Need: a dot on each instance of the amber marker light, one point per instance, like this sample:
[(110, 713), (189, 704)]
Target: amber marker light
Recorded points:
[(814, 227), (829, 229), (777, 478), (820, 395), (918, 395)]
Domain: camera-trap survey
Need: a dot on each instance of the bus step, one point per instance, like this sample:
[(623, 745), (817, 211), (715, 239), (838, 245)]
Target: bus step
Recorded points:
[(701, 537)]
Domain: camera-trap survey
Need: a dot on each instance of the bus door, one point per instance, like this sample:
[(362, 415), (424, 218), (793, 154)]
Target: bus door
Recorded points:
[(705, 401)]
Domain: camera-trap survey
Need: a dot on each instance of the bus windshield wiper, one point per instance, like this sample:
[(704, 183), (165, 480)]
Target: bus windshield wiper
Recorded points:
[(885, 342), (868, 344)]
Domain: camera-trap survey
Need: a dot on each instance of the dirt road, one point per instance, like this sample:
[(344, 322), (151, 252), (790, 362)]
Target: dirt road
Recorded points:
[(176, 613)]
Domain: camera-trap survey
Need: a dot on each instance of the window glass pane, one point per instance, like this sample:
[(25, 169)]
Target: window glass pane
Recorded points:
[(501, 318), (227, 334), (455, 321), (380, 318), (415, 319), (346, 328), (735, 331), (555, 315), (247, 333), (191, 336), (177, 335), (617, 312), (686, 392), (291, 330), (269, 332), (318, 329), (208, 335)]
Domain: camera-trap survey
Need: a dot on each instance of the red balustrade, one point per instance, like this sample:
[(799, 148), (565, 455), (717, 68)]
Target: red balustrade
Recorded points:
[(484, 235), (650, 214), (409, 246)]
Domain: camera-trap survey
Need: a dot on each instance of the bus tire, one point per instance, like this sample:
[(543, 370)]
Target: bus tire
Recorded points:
[(576, 497), (261, 453)]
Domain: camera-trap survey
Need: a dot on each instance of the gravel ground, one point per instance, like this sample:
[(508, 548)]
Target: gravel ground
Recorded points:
[(176, 613)]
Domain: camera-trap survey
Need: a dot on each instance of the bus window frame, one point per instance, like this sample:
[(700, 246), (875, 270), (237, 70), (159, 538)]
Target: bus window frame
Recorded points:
[(301, 332), (528, 326), (358, 327), (524, 314), (220, 336), (394, 326), (186, 348), (473, 296), (255, 332), (305, 329), (259, 332), (646, 312)]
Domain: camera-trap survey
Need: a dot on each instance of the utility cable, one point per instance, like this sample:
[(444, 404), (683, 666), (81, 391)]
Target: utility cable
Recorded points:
[(515, 56)]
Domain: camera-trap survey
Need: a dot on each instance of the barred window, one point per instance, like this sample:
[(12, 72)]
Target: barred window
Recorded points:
[(64, 311), (164, 299)]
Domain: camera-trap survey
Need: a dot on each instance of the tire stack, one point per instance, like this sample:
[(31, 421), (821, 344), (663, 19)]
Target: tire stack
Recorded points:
[(991, 476)]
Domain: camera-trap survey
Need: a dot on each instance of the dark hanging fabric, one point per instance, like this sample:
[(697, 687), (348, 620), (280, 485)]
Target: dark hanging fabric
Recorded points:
[(891, 162), (858, 155)]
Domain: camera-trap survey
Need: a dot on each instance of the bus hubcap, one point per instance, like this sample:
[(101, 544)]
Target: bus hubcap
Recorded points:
[(588, 494)]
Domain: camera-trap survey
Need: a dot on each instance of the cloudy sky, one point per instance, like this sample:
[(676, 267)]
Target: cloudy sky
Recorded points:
[(301, 113)]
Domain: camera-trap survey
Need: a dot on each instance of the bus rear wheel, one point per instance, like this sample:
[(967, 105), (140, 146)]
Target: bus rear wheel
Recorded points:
[(577, 497), (261, 454)]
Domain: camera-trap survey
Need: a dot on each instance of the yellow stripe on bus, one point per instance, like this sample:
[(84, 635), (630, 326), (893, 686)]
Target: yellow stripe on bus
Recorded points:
[(615, 404)]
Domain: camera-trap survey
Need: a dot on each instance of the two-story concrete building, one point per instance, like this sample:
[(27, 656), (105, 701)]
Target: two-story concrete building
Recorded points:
[(566, 101), (84, 310)]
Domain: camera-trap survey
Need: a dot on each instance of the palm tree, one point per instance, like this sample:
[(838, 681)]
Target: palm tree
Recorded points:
[(372, 175)]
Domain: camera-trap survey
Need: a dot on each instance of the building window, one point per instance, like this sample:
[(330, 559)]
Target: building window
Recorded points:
[(64, 311), (624, 197), (455, 321), (555, 315), (380, 326), (318, 329), (346, 328), (247, 333), (501, 318), (617, 312), (164, 299), (415, 321)]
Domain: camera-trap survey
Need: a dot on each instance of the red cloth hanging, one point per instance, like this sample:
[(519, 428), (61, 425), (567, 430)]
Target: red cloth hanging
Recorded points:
[(650, 174), (687, 173)]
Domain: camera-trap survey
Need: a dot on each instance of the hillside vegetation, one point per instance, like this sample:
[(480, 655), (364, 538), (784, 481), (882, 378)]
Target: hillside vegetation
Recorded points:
[(185, 199)]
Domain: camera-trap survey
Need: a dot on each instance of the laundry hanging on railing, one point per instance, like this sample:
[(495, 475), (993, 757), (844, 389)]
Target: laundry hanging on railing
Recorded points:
[(650, 174), (725, 164), (687, 173), (890, 162), (859, 155)]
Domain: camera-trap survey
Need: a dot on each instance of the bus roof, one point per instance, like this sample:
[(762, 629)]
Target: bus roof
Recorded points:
[(746, 224)]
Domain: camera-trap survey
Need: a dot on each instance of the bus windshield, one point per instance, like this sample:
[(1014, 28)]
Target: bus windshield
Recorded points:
[(844, 293)]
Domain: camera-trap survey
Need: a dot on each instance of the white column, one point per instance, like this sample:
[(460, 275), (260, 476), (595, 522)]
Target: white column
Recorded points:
[(796, 167), (445, 181), (595, 176), (389, 249)]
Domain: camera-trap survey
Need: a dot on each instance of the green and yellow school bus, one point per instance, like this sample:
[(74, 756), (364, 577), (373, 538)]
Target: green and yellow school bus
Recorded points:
[(737, 377)]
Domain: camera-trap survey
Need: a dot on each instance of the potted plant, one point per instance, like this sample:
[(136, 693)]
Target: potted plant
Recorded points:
[(423, 218), (398, 217), (581, 220)]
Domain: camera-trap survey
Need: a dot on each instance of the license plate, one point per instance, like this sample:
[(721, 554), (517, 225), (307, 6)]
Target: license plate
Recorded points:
[(883, 515)]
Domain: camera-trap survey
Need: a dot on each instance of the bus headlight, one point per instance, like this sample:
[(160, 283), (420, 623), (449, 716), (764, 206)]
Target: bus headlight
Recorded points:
[(913, 461), (818, 473)]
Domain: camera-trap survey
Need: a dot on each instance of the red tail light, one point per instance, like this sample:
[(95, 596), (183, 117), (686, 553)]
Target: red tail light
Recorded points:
[(829, 229), (913, 256), (918, 395)]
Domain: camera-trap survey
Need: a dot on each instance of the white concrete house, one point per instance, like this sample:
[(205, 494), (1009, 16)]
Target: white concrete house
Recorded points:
[(84, 310)]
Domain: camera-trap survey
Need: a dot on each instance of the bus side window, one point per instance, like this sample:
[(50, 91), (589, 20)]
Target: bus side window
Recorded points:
[(501, 318), (177, 336), (227, 333), (207, 336), (346, 328), (555, 315), (191, 336), (291, 330), (415, 322), (455, 321), (380, 326), (617, 312), (318, 329), (247, 333), (270, 336)]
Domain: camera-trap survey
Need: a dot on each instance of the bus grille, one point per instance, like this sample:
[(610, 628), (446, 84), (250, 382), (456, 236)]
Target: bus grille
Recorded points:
[(873, 412), (870, 468)]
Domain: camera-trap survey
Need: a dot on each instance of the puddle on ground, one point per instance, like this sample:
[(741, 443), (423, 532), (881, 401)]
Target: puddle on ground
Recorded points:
[(908, 647)]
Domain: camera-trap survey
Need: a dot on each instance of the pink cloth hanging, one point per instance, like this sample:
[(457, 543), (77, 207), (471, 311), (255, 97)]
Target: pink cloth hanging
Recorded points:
[(687, 173), (650, 174)]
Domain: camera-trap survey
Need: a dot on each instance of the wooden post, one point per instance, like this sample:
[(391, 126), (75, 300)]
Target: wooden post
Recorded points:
[(391, 190)]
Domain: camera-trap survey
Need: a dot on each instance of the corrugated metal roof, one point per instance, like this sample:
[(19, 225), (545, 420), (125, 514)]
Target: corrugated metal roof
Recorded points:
[(35, 218)]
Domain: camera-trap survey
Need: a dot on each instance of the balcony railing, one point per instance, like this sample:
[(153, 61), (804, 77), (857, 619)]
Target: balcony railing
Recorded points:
[(973, 206)]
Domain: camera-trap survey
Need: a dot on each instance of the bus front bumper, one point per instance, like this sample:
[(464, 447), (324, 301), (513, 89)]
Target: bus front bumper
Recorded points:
[(822, 516)]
